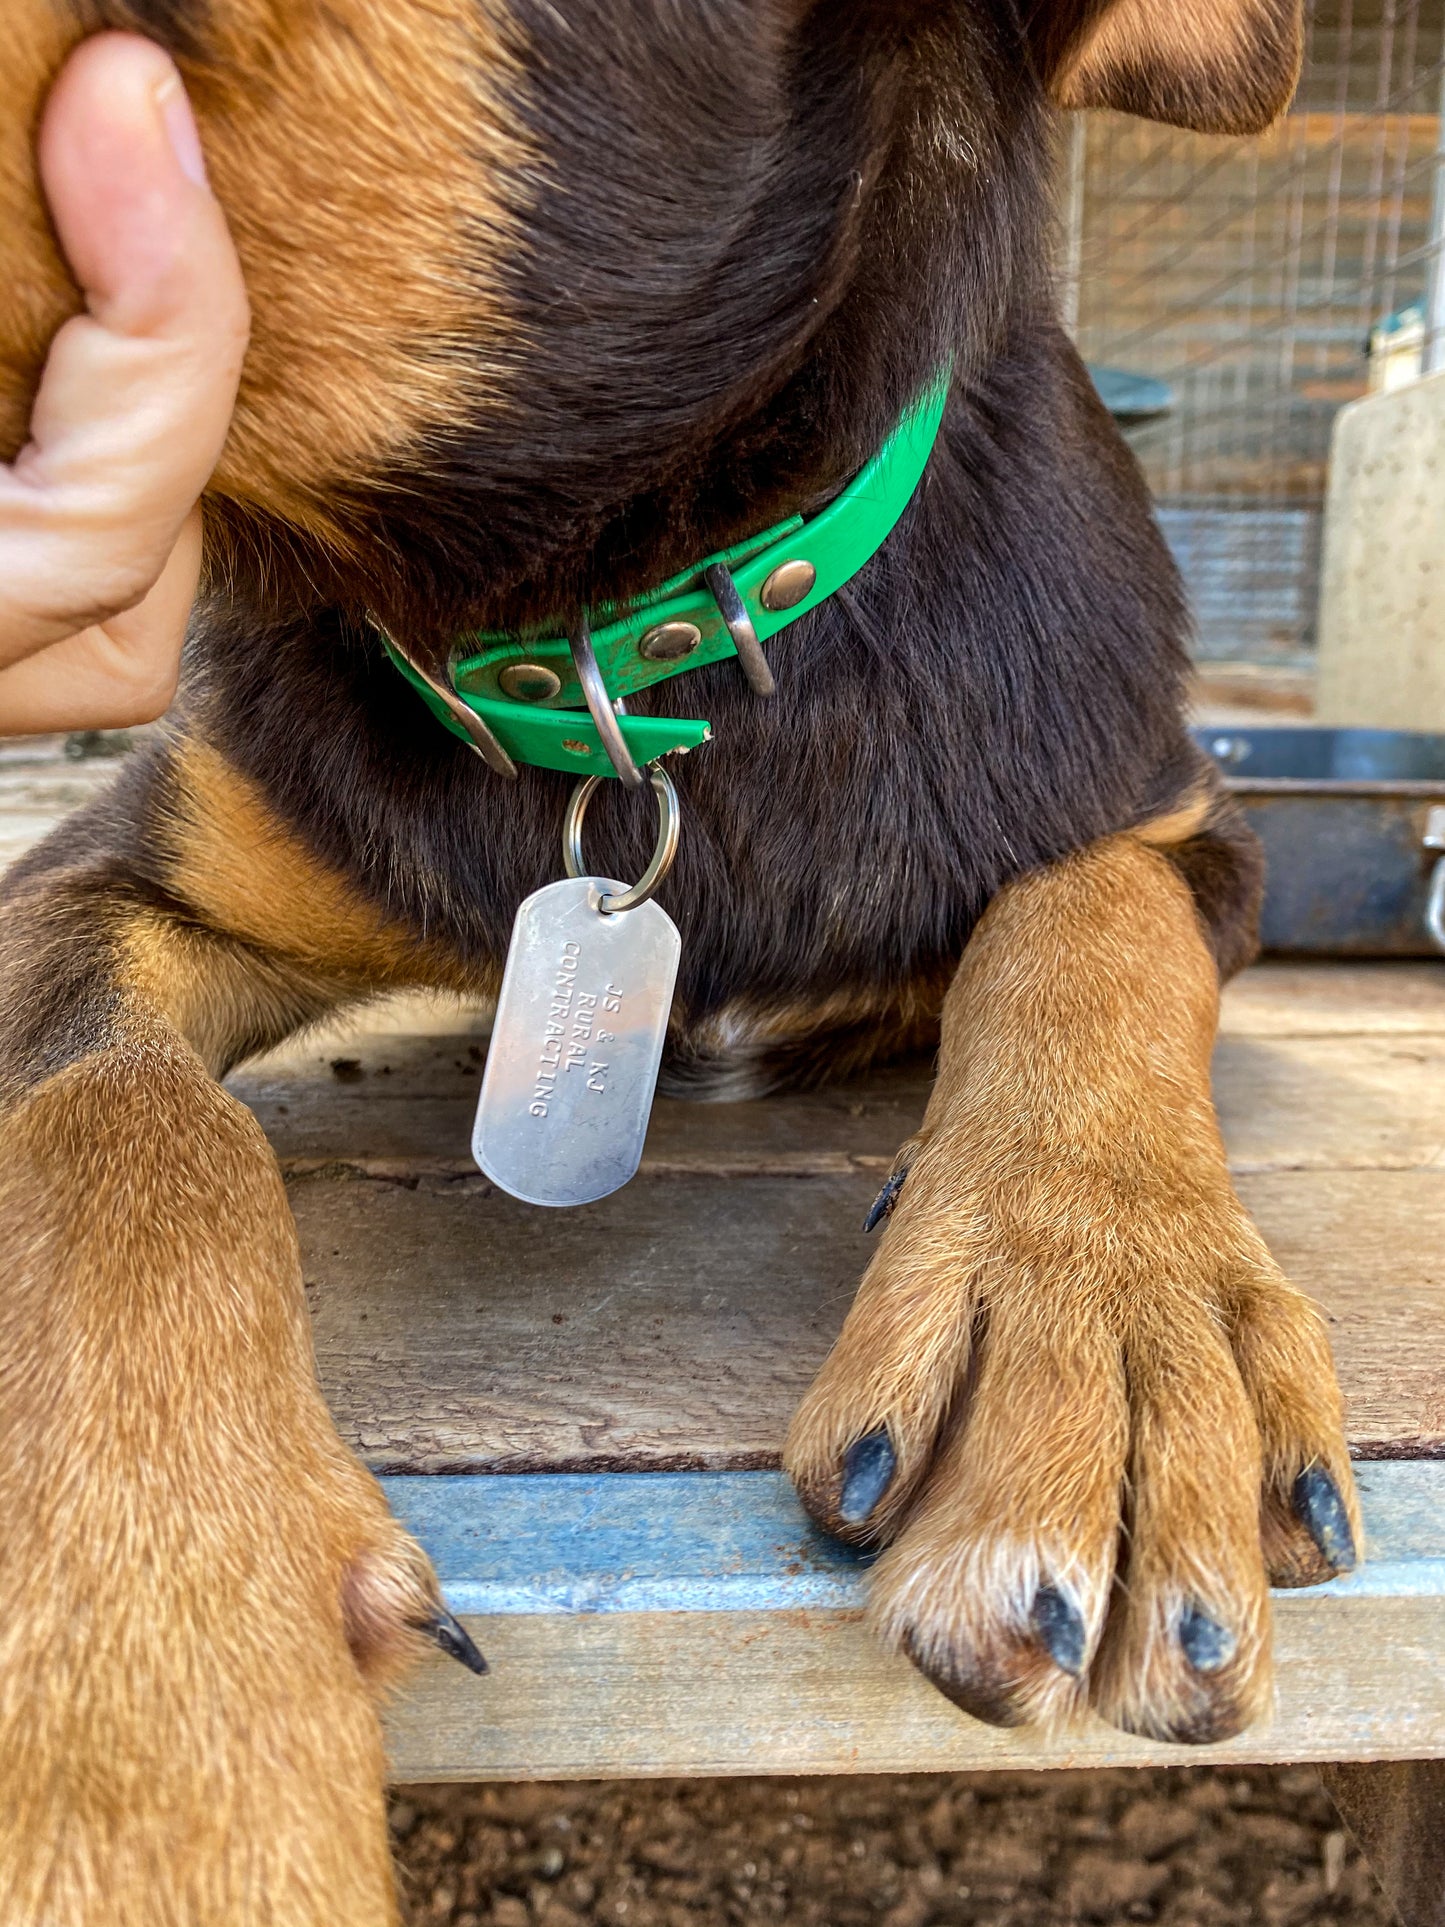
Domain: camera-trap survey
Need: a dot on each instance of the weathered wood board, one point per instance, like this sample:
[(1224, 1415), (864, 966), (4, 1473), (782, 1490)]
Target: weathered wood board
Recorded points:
[(695, 1623), (677, 1323), (35, 795), (705, 1693)]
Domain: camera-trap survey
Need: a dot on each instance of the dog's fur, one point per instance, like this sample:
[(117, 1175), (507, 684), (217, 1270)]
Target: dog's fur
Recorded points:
[(549, 301)]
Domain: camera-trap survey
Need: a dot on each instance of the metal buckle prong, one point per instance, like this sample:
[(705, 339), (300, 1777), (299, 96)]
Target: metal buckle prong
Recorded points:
[(734, 612), (599, 704)]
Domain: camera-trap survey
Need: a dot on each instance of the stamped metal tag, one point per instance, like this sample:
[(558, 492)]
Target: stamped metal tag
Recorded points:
[(575, 1050)]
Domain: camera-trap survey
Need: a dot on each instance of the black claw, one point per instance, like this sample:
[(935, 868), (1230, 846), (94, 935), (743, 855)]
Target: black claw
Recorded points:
[(1321, 1511), (1208, 1646), (1060, 1625), (868, 1468), (453, 1638), (883, 1204)]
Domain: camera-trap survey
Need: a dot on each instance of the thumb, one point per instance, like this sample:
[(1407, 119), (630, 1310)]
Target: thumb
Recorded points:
[(125, 178), (137, 393)]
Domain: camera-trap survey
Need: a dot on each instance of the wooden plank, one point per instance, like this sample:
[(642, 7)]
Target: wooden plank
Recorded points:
[(697, 1624), (37, 791), (561, 1544), (1396, 1811), (1326, 1103), (397, 1097), (675, 1324), (1334, 999), (678, 1323), (1370, 1247), (1319, 1065)]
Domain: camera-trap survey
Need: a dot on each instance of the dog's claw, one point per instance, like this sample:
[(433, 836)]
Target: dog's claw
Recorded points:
[(868, 1468), (1208, 1646), (1321, 1511), (883, 1204), (454, 1639), (1060, 1627)]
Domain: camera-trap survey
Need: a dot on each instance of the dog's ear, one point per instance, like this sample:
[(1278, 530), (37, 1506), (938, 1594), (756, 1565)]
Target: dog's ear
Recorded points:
[(1217, 66)]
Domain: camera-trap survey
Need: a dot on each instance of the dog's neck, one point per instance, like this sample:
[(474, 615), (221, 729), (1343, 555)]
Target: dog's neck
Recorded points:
[(556, 700)]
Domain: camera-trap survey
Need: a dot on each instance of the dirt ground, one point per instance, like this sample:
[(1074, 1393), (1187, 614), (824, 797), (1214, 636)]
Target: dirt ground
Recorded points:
[(1192, 1847)]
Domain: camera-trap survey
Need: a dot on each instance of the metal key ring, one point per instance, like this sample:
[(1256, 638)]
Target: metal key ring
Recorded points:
[(669, 823)]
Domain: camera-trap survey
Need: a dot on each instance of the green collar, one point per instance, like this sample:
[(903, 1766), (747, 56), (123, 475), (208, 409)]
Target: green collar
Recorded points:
[(528, 696)]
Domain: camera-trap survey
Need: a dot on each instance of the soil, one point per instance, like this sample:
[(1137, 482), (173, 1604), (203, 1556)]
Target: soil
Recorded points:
[(1189, 1847)]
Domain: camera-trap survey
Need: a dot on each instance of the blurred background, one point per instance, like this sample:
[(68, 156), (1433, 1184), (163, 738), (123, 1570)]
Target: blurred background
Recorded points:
[(1257, 287)]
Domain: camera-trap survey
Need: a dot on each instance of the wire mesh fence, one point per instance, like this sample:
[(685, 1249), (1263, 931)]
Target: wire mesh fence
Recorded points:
[(1266, 283)]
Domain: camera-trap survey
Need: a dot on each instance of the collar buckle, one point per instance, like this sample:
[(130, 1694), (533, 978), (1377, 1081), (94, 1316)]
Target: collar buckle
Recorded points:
[(725, 605), (734, 612)]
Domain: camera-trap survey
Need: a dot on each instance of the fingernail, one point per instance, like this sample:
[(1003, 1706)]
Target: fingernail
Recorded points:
[(1321, 1511), (883, 1204), (1060, 1626), (1207, 1645), (181, 131), (868, 1468)]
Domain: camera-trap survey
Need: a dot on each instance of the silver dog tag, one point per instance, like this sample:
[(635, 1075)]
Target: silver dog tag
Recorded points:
[(575, 1050)]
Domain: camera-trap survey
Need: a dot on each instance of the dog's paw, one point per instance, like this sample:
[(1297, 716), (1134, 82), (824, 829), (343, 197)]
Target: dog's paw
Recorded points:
[(202, 1593), (1091, 1426), (198, 1740)]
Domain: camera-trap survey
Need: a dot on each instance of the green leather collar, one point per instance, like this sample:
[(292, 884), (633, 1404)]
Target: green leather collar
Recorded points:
[(528, 695)]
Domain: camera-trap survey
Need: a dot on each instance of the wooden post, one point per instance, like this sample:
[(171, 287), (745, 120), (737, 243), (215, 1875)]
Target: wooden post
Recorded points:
[(1382, 596), (1396, 1811), (1071, 253)]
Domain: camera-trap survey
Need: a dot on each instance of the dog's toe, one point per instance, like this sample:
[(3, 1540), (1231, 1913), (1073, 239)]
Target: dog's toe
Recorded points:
[(1319, 1507), (1185, 1656), (867, 1431), (390, 1604), (998, 1585), (1310, 1512)]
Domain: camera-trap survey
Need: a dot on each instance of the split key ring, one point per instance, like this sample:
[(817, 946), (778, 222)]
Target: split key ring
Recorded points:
[(669, 823)]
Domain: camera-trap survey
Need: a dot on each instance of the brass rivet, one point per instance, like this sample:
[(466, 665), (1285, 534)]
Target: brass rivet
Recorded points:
[(670, 641), (788, 584), (529, 682)]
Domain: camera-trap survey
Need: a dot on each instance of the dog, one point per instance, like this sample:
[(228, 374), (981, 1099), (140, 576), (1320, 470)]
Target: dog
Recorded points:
[(552, 297)]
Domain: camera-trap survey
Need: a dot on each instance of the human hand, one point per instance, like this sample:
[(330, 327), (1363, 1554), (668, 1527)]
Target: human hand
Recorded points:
[(100, 528)]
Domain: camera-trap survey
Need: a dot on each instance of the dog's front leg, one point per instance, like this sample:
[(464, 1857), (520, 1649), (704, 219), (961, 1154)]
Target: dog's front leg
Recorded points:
[(1075, 1393), (200, 1588)]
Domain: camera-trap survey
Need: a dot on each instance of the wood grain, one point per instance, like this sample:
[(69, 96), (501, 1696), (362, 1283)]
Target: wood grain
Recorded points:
[(414, 1097), (1331, 1103), (677, 1323), (1334, 999), (810, 1692)]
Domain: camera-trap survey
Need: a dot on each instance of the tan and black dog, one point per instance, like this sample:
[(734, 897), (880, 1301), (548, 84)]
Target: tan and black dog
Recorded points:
[(552, 297)]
